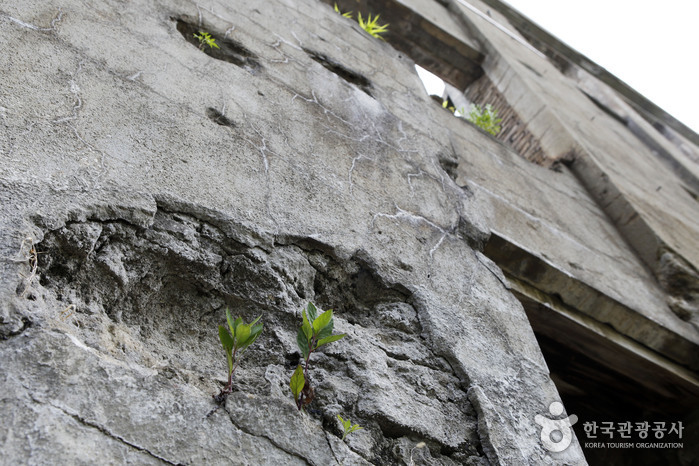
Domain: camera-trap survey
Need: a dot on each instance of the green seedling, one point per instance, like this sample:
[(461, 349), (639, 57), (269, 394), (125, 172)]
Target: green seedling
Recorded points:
[(298, 382), (346, 14), (372, 27), (316, 331), (485, 119), (348, 427), (206, 39), (235, 340), (445, 104)]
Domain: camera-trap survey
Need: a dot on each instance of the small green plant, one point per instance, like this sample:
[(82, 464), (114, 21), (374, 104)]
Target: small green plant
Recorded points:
[(206, 39), (445, 104), (348, 427), (235, 340), (485, 119), (316, 331), (346, 14), (372, 27)]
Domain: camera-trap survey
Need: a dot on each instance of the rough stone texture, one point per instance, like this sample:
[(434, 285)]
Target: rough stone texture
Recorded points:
[(160, 185), (622, 174), (603, 252), (147, 185)]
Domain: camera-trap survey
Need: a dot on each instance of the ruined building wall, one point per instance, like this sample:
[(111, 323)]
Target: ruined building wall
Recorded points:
[(149, 184)]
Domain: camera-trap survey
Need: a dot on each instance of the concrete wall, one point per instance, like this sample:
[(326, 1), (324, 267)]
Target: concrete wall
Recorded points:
[(148, 185)]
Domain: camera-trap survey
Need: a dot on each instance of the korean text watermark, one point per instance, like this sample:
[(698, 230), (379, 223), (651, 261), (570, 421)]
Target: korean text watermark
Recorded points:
[(557, 432), (633, 434)]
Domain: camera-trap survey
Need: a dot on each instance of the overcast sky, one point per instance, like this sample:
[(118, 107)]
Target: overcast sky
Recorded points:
[(652, 46)]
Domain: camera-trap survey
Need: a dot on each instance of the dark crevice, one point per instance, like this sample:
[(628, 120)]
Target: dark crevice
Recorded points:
[(6, 335), (449, 164), (691, 193), (474, 236), (348, 75), (228, 50), (607, 110), (597, 392), (183, 270), (219, 118), (530, 68), (394, 430)]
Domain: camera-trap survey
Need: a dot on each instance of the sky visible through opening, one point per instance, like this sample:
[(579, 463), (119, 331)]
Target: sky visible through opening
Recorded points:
[(650, 46)]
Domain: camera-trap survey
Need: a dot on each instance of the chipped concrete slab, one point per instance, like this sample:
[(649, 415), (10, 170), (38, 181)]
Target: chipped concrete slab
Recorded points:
[(161, 185)]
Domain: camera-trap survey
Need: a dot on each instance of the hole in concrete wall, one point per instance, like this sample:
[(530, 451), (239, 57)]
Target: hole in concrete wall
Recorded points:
[(229, 50), (219, 118), (482, 92), (348, 75), (430, 46), (514, 130), (153, 297), (449, 164)]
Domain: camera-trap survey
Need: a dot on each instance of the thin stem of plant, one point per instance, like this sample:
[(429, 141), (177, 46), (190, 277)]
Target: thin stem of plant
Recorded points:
[(306, 362), (229, 386)]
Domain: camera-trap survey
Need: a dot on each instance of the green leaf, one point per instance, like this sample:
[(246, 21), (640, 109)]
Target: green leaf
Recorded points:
[(371, 26), (242, 335), (231, 323), (237, 323), (312, 311), (307, 329), (354, 428), (347, 14), (225, 337), (348, 427), (345, 424), (255, 321), (322, 321), (297, 382), (326, 332), (254, 333), (330, 339), (227, 342), (302, 341), (485, 118)]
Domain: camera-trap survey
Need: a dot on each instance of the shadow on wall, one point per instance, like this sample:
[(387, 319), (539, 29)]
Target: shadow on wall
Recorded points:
[(154, 297)]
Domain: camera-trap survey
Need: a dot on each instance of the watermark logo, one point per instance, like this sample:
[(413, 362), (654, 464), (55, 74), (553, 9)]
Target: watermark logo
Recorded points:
[(658, 434), (556, 434)]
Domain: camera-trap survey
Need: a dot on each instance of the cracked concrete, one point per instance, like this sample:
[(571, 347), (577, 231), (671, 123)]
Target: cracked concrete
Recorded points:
[(151, 217), (106, 432)]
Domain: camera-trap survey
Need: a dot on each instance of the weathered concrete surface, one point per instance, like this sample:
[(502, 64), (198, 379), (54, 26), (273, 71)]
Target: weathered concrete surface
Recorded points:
[(602, 252), (427, 33), (623, 182), (161, 185), (567, 58)]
